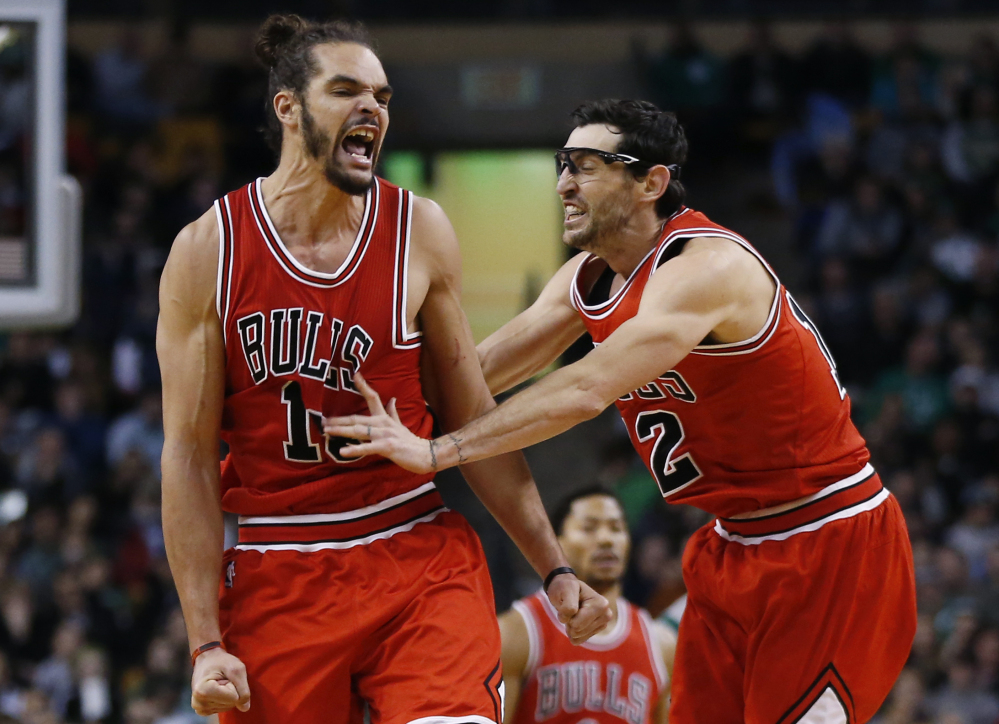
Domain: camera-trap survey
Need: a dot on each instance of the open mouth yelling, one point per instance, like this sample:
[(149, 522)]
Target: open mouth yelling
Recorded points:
[(359, 145), (573, 213)]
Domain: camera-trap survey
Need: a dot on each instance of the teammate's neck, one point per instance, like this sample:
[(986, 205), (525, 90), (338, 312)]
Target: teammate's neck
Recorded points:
[(301, 200)]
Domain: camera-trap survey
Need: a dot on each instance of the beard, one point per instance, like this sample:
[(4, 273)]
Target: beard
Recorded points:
[(320, 146), (606, 219)]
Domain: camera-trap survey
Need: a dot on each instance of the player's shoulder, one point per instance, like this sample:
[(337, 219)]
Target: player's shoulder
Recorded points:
[(512, 622), (515, 639), (193, 259), (199, 238), (428, 212), (717, 254)]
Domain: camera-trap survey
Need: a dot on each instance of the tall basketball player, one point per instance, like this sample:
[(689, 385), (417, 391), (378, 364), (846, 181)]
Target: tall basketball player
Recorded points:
[(621, 675), (801, 600), (351, 582)]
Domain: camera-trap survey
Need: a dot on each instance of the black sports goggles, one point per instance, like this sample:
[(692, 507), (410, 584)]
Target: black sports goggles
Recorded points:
[(563, 160)]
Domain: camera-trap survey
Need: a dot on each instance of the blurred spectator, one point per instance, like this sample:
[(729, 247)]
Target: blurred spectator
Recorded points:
[(960, 696), (923, 392), (25, 380), (94, 687), (840, 312), (140, 431), (977, 532), (178, 80), (83, 429), (11, 695), (120, 79), (687, 75), (763, 85), (865, 230), (970, 146), (47, 472), (988, 591), (55, 676), (837, 65), (42, 558), (690, 80), (905, 704)]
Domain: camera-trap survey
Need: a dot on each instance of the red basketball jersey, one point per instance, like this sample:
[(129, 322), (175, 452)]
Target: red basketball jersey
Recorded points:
[(615, 676), (733, 428), (294, 339)]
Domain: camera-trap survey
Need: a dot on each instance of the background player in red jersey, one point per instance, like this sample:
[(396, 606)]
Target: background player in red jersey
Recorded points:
[(620, 675), (351, 581), (801, 595)]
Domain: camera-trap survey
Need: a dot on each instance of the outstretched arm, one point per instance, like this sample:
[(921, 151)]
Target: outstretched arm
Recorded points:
[(458, 394), (192, 362), (535, 338), (685, 300)]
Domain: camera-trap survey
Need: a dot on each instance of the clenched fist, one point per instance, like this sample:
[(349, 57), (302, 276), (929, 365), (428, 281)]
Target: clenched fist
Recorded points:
[(219, 683), (583, 611)]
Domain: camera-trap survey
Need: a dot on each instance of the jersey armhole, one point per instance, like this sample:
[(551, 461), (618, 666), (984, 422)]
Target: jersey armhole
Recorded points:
[(654, 649), (401, 336), (223, 282), (535, 642)]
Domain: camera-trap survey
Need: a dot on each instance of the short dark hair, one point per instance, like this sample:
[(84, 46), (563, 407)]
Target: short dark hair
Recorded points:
[(647, 133), (284, 46), (565, 505)]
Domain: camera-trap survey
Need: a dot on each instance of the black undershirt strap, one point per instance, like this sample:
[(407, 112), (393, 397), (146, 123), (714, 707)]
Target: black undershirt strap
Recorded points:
[(600, 292), (672, 251)]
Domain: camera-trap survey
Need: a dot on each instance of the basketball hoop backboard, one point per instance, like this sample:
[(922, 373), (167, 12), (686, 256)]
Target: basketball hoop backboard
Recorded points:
[(40, 220)]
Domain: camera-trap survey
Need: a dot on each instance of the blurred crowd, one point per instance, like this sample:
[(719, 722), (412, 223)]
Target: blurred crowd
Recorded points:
[(886, 166)]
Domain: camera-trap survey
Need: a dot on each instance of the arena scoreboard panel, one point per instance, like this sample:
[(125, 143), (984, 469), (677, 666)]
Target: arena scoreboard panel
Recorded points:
[(40, 206)]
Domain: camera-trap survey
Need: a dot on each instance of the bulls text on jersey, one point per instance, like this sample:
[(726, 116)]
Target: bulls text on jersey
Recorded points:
[(576, 686), (274, 345)]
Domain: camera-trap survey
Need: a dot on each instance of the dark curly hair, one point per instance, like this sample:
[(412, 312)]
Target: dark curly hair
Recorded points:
[(284, 46), (648, 133), (561, 512)]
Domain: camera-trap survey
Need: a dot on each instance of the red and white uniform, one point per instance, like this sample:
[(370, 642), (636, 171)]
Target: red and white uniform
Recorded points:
[(346, 572), (747, 428), (294, 339), (616, 677)]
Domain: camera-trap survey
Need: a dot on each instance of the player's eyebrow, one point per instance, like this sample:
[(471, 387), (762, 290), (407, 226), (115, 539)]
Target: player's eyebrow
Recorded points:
[(340, 79), (344, 79)]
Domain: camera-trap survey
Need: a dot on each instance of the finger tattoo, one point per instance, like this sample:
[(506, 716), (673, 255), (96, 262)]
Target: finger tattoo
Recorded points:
[(369, 432), (433, 456)]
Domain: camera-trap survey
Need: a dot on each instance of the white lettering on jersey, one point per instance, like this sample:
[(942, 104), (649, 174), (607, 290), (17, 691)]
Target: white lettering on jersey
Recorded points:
[(569, 687)]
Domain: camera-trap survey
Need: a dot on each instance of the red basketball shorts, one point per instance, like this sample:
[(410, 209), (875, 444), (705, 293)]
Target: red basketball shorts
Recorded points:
[(392, 608), (802, 617)]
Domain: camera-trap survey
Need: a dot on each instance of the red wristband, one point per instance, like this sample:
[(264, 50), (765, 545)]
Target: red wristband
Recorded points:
[(205, 647)]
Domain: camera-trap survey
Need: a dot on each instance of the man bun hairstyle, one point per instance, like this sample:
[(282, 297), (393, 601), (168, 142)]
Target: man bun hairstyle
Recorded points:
[(647, 133), (284, 46)]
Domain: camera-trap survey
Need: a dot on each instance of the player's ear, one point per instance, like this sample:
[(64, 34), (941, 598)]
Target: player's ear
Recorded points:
[(287, 108), (655, 182)]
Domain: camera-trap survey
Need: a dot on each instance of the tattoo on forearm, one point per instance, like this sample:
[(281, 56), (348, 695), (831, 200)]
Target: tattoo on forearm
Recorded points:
[(433, 455), (457, 445)]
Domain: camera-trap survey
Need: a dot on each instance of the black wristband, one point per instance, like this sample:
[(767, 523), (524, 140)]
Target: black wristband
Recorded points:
[(556, 572)]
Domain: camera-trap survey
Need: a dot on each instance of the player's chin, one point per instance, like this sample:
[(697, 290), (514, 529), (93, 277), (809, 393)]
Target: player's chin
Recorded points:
[(577, 238), (605, 575)]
